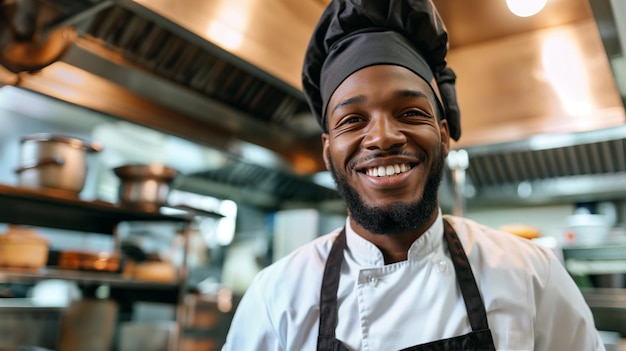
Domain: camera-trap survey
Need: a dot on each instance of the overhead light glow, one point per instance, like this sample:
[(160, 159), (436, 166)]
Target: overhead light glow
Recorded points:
[(230, 26), (564, 67), (525, 8)]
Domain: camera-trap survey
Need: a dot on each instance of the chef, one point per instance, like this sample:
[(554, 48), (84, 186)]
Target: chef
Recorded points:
[(400, 275)]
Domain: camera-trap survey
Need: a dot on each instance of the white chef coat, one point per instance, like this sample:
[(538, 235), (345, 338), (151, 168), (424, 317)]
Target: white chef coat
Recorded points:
[(530, 299)]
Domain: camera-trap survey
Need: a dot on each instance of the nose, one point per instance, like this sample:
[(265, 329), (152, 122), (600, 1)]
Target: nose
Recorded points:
[(384, 133)]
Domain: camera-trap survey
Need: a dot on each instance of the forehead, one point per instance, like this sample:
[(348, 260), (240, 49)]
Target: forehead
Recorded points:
[(380, 79)]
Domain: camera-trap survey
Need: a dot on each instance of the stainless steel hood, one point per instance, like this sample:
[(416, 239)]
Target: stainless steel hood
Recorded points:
[(195, 60), (159, 64), (610, 16), (547, 169), (225, 73)]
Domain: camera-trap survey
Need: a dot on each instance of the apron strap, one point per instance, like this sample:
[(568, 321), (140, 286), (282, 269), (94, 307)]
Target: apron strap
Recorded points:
[(471, 294), (328, 296)]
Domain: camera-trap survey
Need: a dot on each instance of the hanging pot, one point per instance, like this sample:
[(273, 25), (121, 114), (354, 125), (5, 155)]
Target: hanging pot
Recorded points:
[(54, 162)]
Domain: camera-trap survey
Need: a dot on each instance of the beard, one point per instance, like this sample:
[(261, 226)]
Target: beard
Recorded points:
[(396, 218)]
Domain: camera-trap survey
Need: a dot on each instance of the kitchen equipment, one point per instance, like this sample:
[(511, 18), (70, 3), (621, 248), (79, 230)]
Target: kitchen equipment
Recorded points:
[(25, 43), (458, 162), (88, 324), (54, 161), (144, 187), (608, 307), (154, 271), (23, 323), (585, 228), (155, 336), (89, 261), (22, 247)]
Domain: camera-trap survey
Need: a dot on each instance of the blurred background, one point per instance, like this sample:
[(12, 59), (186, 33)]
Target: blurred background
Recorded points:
[(210, 92)]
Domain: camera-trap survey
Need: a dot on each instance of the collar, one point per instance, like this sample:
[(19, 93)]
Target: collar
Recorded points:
[(367, 254)]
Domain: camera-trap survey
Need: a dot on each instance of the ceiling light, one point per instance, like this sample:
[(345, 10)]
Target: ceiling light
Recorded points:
[(525, 8)]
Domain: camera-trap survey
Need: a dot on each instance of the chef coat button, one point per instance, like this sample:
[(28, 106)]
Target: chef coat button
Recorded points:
[(372, 280), (442, 266)]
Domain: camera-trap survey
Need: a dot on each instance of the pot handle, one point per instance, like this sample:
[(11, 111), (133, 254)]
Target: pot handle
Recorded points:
[(59, 161)]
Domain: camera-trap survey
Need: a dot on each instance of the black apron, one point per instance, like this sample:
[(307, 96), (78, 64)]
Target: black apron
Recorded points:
[(479, 339)]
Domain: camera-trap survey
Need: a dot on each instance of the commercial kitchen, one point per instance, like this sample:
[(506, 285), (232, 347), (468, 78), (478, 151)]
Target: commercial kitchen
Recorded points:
[(155, 155)]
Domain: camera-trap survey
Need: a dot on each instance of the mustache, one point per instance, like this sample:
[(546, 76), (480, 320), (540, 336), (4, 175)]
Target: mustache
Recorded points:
[(420, 157)]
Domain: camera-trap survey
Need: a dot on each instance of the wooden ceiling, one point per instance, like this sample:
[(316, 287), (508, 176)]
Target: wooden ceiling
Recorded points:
[(473, 21)]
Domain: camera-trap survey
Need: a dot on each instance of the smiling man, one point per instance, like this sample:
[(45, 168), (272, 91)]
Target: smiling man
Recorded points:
[(400, 275), (385, 147)]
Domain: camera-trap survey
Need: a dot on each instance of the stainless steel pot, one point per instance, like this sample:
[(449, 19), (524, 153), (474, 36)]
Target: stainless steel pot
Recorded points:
[(54, 161), (144, 187)]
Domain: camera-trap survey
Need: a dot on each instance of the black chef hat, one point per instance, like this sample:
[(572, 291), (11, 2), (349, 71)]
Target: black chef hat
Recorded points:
[(354, 34)]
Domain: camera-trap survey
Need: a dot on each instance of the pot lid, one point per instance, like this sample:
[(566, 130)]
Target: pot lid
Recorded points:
[(145, 171), (59, 138)]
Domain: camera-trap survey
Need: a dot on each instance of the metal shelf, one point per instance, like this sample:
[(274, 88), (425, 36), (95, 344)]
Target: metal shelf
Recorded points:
[(56, 209), (599, 252), (15, 275), (584, 267)]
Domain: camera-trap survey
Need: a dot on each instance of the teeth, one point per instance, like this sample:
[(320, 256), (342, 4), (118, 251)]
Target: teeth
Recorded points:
[(382, 171)]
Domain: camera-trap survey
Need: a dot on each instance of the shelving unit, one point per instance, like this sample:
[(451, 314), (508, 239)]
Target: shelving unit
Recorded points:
[(595, 259), (608, 304), (56, 209)]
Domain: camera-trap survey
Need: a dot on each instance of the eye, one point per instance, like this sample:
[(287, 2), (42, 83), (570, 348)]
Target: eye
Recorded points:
[(351, 119), (415, 114)]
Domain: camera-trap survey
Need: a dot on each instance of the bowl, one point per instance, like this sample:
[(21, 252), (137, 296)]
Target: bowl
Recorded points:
[(587, 229), (144, 187)]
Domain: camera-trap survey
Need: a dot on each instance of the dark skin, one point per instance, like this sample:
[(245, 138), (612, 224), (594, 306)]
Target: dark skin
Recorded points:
[(385, 110)]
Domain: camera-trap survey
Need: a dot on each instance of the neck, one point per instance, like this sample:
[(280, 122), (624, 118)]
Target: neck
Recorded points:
[(394, 247)]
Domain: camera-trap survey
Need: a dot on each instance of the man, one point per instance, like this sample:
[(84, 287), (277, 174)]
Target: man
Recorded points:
[(400, 275)]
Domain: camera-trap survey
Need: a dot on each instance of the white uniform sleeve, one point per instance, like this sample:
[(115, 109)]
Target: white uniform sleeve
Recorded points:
[(251, 328), (564, 321)]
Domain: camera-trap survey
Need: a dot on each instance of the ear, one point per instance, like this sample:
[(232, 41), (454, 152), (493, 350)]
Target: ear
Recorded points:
[(444, 131), (326, 150)]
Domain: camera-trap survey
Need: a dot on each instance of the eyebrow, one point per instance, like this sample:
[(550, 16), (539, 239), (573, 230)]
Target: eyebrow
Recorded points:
[(399, 94), (411, 93), (348, 101)]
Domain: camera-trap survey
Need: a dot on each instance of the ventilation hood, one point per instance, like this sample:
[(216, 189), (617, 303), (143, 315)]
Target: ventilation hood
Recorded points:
[(226, 73), (610, 16), (215, 62), (545, 169), (213, 72)]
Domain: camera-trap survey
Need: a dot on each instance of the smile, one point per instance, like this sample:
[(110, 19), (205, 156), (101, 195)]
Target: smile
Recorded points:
[(388, 171)]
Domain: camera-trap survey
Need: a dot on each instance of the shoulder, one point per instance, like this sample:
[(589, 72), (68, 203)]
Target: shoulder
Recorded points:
[(281, 298), (495, 252), (476, 236)]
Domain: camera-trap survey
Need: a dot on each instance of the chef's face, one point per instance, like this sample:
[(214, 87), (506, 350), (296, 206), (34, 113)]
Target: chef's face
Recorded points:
[(386, 148)]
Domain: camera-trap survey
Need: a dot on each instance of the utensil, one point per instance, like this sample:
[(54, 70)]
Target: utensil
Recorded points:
[(26, 45), (89, 261), (587, 229), (54, 161), (144, 187)]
